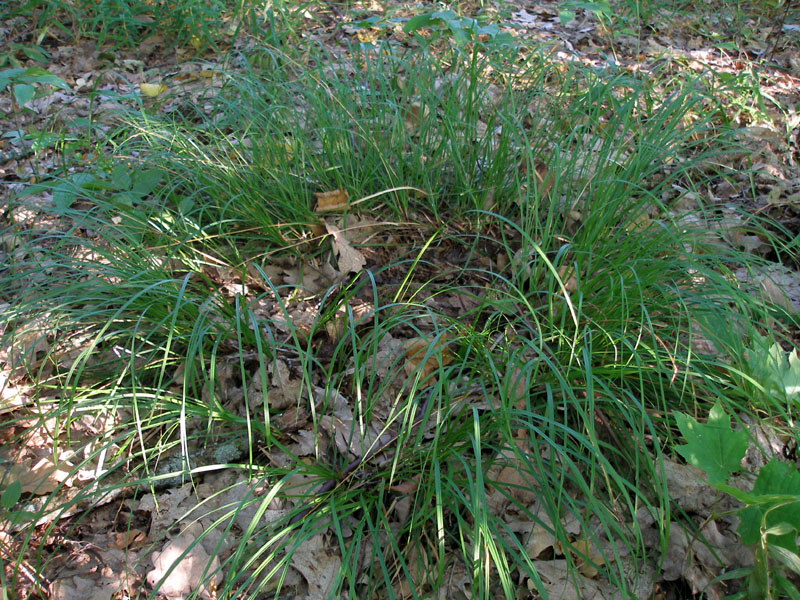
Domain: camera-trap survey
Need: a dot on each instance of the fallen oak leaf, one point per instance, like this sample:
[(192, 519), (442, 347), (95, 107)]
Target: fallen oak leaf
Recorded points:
[(416, 350), (336, 327), (348, 258)]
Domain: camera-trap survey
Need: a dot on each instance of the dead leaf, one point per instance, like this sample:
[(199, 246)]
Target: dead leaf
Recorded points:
[(348, 258), (286, 389), (30, 342), (416, 350), (418, 563), (126, 539), (94, 587), (338, 324), (188, 574), (541, 537), (582, 547), (167, 509), (521, 486), (360, 228), (544, 178), (407, 487), (152, 89), (414, 115), (332, 200), (776, 283), (41, 478), (319, 565), (560, 582), (774, 294), (568, 278)]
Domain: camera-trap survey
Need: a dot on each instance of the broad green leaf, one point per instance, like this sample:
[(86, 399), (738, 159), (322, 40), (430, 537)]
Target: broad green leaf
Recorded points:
[(713, 447), (770, 366), (754, 499), (600, 8), (418, 22), (774, 478), (7, 76), (490, 30), (186, 205), (11, 495), (64, 195), (144, 182), (373, 21), (505, 39), (39, 75), (125, 198), (791, 377), (23, 93), (788, 559), (43, 139), (36, 53), (120, 177), (565, 15), (460, 36)]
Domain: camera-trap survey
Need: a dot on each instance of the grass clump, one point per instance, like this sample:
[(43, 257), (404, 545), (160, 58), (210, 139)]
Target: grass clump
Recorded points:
[(532, 301)]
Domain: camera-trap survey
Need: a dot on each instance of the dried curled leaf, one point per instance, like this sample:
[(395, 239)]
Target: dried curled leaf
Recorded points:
[(152, 89), (416, 351), (332, 200), (348, 258)]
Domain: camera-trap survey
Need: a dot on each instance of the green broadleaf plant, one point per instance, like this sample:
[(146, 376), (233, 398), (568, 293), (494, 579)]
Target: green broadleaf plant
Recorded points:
[(778, 373), (21, 81), (713, 447), (771, 513)]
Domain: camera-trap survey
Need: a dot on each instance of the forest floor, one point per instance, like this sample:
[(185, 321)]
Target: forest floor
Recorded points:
[(65, 111)]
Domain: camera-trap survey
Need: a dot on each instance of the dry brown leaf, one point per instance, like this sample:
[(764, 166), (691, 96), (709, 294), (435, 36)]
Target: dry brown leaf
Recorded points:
[(416, 349), (567, 275), (414, 115), (40, 478), (406, 487), (95, 586), (126, 539), (541, 537), (544, 178), (360, 228), (583, 547), (187, 575), (574, 220), (285, 389), (348, 258), (418, 563), (336, 326), (332, 200), (559, 582), (319, 564), (339, 425), (521, 486), (30, 343), (775, 294)]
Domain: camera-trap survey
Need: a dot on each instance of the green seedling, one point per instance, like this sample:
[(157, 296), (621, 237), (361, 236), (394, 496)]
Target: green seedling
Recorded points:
[(771, 513), (462, 29), (25, 82), (777, 373)]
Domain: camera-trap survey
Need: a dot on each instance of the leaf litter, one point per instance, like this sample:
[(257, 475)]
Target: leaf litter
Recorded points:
[(129, 557)]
